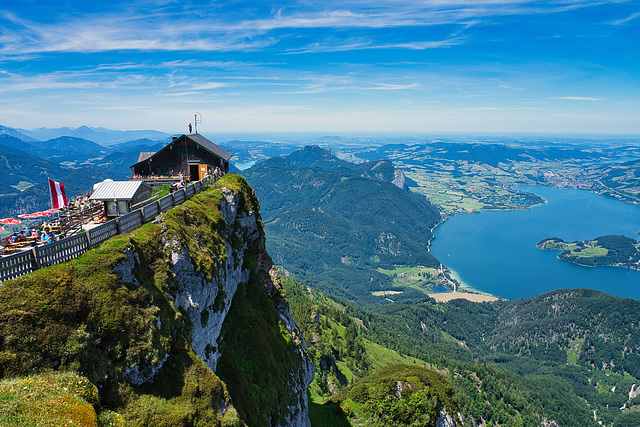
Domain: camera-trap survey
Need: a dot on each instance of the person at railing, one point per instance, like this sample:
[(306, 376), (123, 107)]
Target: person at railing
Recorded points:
[(47, 237)]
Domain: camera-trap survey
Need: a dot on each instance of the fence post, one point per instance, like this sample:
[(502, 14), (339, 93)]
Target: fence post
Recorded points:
[(35, 263), (88, 239)]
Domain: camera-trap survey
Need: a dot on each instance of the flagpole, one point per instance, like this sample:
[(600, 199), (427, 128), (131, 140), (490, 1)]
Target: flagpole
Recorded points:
[(50, 193)]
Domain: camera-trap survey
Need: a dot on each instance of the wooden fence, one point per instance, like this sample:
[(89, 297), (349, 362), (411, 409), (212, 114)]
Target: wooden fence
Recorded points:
[(24, 262)]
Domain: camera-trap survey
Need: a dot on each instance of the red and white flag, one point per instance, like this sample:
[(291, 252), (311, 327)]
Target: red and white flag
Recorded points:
[(58, 198)]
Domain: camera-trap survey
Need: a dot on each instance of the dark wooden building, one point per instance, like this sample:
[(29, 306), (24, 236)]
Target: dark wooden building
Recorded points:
[(192, 155)]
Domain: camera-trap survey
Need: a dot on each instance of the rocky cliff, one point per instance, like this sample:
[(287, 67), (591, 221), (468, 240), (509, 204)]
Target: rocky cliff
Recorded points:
[(150, 316)]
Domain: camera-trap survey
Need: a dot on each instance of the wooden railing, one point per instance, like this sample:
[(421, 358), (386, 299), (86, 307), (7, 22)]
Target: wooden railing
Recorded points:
[(24, 262)]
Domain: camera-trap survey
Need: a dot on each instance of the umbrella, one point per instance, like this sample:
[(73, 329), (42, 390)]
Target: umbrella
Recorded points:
[(53, 211), (28, 216), (1, 228), (9, 221), (45, 213)]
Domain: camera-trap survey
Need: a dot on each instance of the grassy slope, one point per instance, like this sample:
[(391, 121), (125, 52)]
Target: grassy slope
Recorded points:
[(77, 317)]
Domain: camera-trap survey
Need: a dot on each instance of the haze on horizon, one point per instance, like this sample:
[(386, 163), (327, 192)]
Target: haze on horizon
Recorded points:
[(493, 66)]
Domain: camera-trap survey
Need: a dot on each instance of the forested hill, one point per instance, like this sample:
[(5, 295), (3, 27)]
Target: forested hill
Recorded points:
[(315, 157), (583, 342), (559, 356), (334, 228)]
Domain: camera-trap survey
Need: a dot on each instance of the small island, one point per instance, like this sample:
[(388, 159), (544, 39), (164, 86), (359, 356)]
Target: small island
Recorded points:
[(612, 251)]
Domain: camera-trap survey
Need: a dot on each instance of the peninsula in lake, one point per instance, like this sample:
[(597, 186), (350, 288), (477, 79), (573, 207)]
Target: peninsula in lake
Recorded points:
[(611, 251)]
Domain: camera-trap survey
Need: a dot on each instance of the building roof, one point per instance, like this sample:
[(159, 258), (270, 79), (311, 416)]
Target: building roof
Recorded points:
[(198, 140), (117, 190), (144, 155), (209, 146)]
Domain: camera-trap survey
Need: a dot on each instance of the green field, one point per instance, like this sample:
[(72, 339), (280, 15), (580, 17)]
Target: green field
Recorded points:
[(460, 186), (587, 249), (419, 278)]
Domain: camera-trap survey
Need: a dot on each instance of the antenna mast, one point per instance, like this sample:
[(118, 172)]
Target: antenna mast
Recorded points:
[(197, 118)]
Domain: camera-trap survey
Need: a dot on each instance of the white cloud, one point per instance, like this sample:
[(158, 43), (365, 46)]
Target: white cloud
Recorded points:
[(208, 86), (578, 98), (387, 86), (623, 21), (175, 28)]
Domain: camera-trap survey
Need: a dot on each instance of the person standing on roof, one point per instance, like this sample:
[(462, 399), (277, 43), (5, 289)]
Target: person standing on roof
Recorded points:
[(189, 127)]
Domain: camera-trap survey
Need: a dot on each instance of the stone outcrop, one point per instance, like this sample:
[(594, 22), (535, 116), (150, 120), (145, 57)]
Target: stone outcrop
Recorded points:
[(206, 301)]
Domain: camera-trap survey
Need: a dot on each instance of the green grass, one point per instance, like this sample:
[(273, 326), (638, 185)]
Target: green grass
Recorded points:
[(419, 278), (605, 380), (597, 251), (160, 192), (383, 356), (574, 349), (56, 399), (578, 249)]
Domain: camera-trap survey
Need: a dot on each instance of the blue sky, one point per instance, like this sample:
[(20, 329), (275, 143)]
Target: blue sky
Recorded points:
[(425, 66)]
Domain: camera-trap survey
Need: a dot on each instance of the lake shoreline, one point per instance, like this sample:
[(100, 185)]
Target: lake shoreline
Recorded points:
[(495, 253)]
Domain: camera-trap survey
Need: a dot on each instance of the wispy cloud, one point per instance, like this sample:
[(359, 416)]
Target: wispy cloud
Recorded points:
[(172, 28), (623, 21), (578, 98), (387, 86), (209, 86)]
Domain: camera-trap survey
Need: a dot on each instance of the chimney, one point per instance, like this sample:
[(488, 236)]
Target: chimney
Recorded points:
[(174, 138)]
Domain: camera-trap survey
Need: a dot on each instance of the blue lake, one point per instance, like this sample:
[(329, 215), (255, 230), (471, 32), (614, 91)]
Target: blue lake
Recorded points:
[(495, 251)]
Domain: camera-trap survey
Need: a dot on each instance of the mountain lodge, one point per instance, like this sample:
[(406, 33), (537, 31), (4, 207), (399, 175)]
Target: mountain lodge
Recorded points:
[(190, 155)]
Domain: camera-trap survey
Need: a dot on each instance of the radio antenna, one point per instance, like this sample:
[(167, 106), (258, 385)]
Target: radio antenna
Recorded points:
[(197, 118)]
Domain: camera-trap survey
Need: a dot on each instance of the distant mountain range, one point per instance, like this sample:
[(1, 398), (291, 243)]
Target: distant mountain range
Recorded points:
[(14, 133), (99, 135), (77, 162)]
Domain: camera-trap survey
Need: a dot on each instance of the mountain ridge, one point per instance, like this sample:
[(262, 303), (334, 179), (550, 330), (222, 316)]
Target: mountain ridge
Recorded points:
[(97, 134), (340, 224)]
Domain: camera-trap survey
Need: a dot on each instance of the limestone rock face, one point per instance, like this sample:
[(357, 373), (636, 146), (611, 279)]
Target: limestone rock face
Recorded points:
[(207, 302), (399, 179), (198, 298), (446, 420), (203, 291)]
